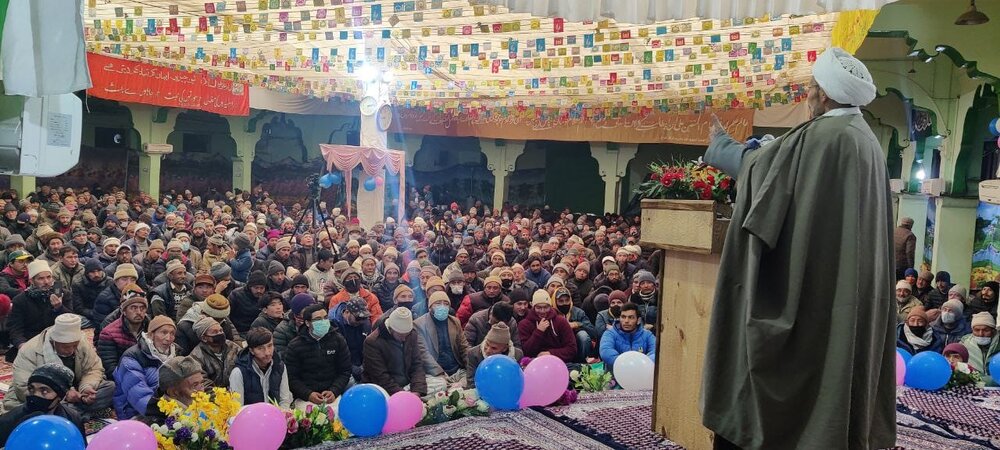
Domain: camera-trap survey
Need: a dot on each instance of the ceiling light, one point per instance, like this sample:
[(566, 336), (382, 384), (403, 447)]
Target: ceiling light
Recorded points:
[(972, 16), (939, 48), (921, 174), (914, 54), (367, 73), (929, 59)]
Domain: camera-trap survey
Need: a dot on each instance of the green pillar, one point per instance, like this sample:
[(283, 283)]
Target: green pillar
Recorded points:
[(23, 185), (149, 174)]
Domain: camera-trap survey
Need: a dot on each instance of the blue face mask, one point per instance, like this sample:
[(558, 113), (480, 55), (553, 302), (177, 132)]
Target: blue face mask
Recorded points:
[(320, 328), (440, 312)]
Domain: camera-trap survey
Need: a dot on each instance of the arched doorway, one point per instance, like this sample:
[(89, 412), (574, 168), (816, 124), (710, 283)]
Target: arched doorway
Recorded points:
[(202, 156), (558, 174), (454, 168)]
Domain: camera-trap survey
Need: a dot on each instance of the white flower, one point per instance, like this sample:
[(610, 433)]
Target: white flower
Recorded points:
[(449, 410), (482, 406), (321, 420), (177, 425), (962, 367), (575, 374), (194, 436), (432, 402)]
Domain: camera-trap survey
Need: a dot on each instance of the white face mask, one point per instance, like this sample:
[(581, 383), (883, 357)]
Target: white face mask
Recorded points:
[(982, 340), (948, 317), (457, 288)]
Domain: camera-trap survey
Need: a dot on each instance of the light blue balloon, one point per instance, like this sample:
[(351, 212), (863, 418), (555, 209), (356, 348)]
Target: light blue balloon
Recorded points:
[(928, 371), (994, 366), (500, 382), (336, 178), (370, 184), (995, 126), (905, 354), (46, 433), (363, 410), (326, 181)]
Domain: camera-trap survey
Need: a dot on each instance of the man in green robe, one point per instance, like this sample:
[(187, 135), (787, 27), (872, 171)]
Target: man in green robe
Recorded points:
[(801, 351)]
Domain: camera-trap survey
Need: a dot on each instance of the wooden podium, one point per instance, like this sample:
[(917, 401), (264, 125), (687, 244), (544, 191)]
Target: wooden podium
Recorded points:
[(690, 233)]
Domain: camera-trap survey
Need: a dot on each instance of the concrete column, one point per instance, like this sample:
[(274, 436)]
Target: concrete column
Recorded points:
[(154, 124), (409, 143), (612, 162), (246, 136), (954, 233), (149, 174), (501, 157), (23, 184)]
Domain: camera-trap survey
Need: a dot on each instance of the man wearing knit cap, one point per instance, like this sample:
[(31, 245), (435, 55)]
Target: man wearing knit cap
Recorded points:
[(215, 353), (982, 343), (289, 329), (393, 356), (985, 300), (79, 241), (277, 279), (924, 286), (165, 297), (384, 290), (215, 307), (180, 377), (87, 289), (240, 258), (784, 223), (444, 342), (36, 308), (491, 294), (546, 332), (65, 344), (215, 252), (204, 285), (47, 387), (951, 324), (905, 301), (272, 312), (244, 301), (497, 342), (939, 295), (122, 332), (282, 252)]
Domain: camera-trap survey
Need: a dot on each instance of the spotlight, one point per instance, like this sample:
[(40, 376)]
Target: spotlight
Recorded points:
[(921, 175), (367, 73)]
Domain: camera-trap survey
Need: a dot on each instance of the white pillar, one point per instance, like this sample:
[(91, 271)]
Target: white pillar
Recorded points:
[(612, 162), (501, 157), (246, 145)]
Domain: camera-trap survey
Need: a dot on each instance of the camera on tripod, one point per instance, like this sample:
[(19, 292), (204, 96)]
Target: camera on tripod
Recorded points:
[(314, 187)]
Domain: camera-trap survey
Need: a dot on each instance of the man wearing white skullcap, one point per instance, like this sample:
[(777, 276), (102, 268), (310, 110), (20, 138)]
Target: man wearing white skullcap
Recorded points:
[(814, 201)]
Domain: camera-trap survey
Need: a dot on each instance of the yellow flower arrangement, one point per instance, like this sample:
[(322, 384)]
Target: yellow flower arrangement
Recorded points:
[(202, 425)]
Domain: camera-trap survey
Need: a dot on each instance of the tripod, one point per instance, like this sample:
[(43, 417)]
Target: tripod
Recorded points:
[(312, 204)]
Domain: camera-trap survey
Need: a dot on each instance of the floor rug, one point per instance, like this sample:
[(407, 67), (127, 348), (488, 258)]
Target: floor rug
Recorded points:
[(619, 419), (521, 430), (961, 418)]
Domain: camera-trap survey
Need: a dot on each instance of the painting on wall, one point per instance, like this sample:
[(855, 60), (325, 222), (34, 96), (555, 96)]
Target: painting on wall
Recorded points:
[(929, 234), (986, 247)]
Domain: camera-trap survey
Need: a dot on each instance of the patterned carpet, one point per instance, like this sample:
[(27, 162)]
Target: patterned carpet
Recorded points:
[(962, 418)]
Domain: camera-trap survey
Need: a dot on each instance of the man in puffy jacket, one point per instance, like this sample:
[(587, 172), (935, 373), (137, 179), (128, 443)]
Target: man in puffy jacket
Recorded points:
[(544, 331), (245, 301), (318, 360), (86, 290), (352, 321), (109, 299), (137, 376), (625, 336), (123, 332)]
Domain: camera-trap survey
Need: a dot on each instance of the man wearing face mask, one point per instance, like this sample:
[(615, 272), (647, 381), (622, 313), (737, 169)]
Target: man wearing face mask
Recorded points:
[(491, 294), (982, 343), (506, 280), (951, 325), (393, 355), (215, 353), (353, 288), (915, 336), (444, 341), (456, 289), (606, 318), (578, 321), (318, 360), (47, 387)]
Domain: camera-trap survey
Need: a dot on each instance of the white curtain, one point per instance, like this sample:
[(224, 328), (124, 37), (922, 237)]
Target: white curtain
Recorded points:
[(648, 11), (43, 48)]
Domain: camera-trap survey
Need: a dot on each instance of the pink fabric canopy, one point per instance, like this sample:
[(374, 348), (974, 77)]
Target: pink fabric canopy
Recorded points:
[(372, 161)]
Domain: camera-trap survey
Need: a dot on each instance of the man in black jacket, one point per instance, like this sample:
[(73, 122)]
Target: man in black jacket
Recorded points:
[(351, 320), (245, 301), (47, 386), (318, 360), (163, 300), (86, 290)]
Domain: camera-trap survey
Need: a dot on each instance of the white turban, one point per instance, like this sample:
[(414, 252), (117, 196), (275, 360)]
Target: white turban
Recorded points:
[(844, 78)]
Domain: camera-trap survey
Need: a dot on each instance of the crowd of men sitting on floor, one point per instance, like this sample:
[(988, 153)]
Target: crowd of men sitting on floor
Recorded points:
[(937, 315), (236, 291)]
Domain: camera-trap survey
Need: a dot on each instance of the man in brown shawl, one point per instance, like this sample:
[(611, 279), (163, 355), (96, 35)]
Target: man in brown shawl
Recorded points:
[(798, 360)]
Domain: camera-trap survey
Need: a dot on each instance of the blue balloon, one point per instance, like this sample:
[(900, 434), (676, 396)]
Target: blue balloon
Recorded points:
[(326, 181), (995, 126), (370, 184), (363, 410), (500, 382), (48, 433), (994, 366), (928, 371), (905, 354), (336, 178)]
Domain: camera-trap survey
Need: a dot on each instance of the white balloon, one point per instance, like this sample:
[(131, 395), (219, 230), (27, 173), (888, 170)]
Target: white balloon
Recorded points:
[(634, 371)]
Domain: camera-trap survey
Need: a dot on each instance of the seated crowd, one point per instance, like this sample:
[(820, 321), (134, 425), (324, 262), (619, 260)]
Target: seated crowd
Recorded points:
[(935, 315), (239, 292)]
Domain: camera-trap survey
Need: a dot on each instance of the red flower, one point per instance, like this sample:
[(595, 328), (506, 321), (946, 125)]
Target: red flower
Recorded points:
[(724, 184), (706, 194)]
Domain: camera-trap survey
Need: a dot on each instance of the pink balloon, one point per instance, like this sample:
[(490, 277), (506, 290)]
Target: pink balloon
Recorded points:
[(379, 181), (260, 426), (545, 380), (900, 369), (124, 435), (405, 410)]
